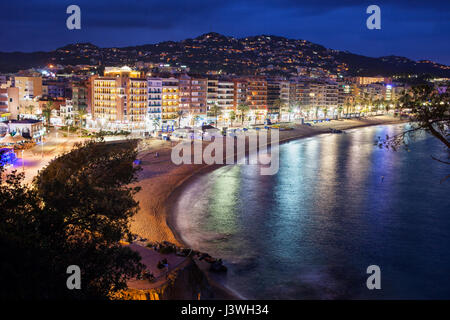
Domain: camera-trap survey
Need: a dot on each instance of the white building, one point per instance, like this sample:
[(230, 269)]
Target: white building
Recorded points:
[(225, 95), (67, 113), (154, 111)]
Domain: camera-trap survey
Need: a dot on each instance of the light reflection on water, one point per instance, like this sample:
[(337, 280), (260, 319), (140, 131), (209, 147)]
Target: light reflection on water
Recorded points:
[(337, 205)]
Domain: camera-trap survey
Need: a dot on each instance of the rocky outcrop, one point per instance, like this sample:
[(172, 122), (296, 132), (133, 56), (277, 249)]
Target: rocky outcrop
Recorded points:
[(187, 282)]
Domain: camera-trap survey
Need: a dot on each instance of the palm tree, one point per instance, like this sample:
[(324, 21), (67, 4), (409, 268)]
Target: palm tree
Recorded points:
[(362, 101), (47, 112), (279, 104), (348, 105), (403, 99), (195, 119), (374, 103), (232, 116), (290, 108), (180, 114), (380, 103), (243, 109), (215, 110), (371, 103), (30, 108), (66, 120), (156, 123), (393, 102), (82, 116), (385, 104), (366, 102), (340, 109), (325, 111), (317, 112)]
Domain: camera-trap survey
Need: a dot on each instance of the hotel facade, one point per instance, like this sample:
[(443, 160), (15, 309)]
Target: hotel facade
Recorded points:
[(120, 99), (128, 100)]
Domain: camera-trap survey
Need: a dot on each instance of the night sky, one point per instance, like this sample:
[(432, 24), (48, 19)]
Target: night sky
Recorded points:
[(411, 28)]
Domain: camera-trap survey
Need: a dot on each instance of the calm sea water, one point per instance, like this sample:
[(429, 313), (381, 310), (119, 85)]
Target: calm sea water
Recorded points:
[(312, 230)]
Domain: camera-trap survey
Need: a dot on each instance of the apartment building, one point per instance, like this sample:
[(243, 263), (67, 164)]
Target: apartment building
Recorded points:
[(4, 107), (80, 96), (6, 81), (56, 89), (257, 95), (273, 92), (225, 95), (278, 91), (108, 99), (68, 113), (211, 94), (170, 101), (370, 80), (374, 91), (331, 94), (380, 91), (154, 113), (312, 96), (135, 107), (3, 80), (285, 88), (29, 87), (9, 103), (240, 92), (163, 99), (323, 94), (252, 92), (124, 71), (299, 94), (193, 95), (344, 94), (120, 99)]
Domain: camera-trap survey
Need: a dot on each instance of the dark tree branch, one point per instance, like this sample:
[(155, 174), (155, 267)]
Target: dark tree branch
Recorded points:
[(439, 160), (435, 133)]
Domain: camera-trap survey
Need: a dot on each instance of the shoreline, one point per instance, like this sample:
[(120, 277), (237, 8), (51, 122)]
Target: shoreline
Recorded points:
[(156, 220), (173, 197)]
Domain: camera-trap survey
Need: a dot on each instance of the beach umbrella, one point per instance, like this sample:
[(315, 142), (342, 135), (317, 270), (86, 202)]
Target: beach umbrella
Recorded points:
[(19, 137), (9, 139)]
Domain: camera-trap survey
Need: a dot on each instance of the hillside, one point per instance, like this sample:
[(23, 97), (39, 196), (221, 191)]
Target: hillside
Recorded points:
[(215, 52)]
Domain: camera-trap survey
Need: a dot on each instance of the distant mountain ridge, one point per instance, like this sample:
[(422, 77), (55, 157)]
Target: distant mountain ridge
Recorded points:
[(267, 54)]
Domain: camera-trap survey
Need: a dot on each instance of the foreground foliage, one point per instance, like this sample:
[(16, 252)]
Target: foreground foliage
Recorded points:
[(75, 213), (430, 111)]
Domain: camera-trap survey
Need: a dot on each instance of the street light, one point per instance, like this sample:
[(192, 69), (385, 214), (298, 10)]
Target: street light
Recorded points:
[(42, 147)]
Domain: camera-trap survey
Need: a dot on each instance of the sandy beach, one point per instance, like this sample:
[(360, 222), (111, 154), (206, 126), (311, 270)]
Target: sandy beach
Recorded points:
[(161, 182), (160, 178)]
